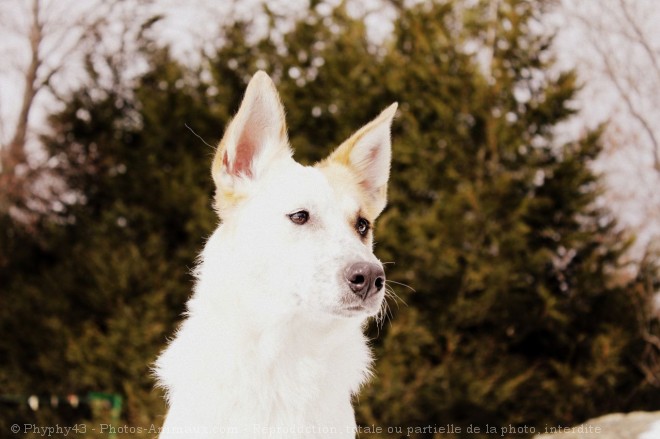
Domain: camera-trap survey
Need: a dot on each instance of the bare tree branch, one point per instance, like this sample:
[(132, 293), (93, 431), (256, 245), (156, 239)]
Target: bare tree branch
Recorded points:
[(50, 44), (631, 107), (615, 47), (616, 79), (641, 39)]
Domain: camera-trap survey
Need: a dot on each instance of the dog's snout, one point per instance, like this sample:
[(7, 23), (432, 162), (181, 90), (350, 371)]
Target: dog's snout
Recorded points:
[(365, 278)]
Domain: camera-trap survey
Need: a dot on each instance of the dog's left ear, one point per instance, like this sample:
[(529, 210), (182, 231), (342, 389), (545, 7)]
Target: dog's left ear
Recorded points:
[(368, 154)]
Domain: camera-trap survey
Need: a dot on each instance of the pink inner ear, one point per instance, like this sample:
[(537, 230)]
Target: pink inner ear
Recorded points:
[(367, 184), (245, 152), (373, 153)]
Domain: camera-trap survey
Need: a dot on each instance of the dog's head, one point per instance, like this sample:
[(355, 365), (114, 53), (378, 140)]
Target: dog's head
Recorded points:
[(301, 237)]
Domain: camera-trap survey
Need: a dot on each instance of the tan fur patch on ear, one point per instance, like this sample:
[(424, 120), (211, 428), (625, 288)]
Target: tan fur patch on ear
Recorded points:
[(225, 197), (342, 155), (343, 180), (218, 160)]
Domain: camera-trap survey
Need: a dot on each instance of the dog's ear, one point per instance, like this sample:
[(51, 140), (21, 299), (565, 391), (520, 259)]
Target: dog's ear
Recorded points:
[(255, 136), (368, 154)]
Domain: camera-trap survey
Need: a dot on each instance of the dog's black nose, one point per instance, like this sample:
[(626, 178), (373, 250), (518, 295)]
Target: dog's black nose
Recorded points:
[(365, 278)]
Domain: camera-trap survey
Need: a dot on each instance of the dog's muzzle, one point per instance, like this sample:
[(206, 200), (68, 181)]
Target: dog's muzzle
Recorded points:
[(365, 278)]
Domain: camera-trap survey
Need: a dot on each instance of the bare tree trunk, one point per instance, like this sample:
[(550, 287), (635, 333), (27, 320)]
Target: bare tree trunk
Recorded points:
[(14, 154), (17, 176), (17, 144)]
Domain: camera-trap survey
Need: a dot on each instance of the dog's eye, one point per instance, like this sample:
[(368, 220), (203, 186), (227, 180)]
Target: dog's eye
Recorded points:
[(362, 226), (299, 217)]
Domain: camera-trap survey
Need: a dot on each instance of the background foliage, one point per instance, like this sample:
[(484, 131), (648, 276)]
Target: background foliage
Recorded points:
[(523, 310)]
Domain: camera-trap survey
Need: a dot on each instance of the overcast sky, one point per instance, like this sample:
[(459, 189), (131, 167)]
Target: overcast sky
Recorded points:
[(587, 29)]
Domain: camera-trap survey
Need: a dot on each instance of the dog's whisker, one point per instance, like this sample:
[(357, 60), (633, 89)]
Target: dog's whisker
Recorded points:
[(392, 295), (402, 284), (388, 314), (383, 315), (389, 292)]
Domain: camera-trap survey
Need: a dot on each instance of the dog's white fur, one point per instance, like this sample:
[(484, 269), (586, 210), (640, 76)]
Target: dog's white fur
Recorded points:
[(272, 345)]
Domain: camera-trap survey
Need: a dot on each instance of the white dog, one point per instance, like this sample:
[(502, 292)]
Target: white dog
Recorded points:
[(272, 345)]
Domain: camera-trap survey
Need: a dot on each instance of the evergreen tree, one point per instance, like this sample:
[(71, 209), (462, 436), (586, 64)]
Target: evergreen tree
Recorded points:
[(114, 274), (516, 319)]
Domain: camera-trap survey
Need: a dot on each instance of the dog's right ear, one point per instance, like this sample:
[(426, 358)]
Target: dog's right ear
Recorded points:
[(255, 136)]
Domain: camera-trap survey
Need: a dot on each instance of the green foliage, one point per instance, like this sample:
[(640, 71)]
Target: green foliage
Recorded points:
[(522, 314), (114, 275)]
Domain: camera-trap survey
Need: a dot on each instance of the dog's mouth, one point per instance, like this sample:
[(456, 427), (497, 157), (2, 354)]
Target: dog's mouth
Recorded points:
[(352, 311), (366, 308)]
